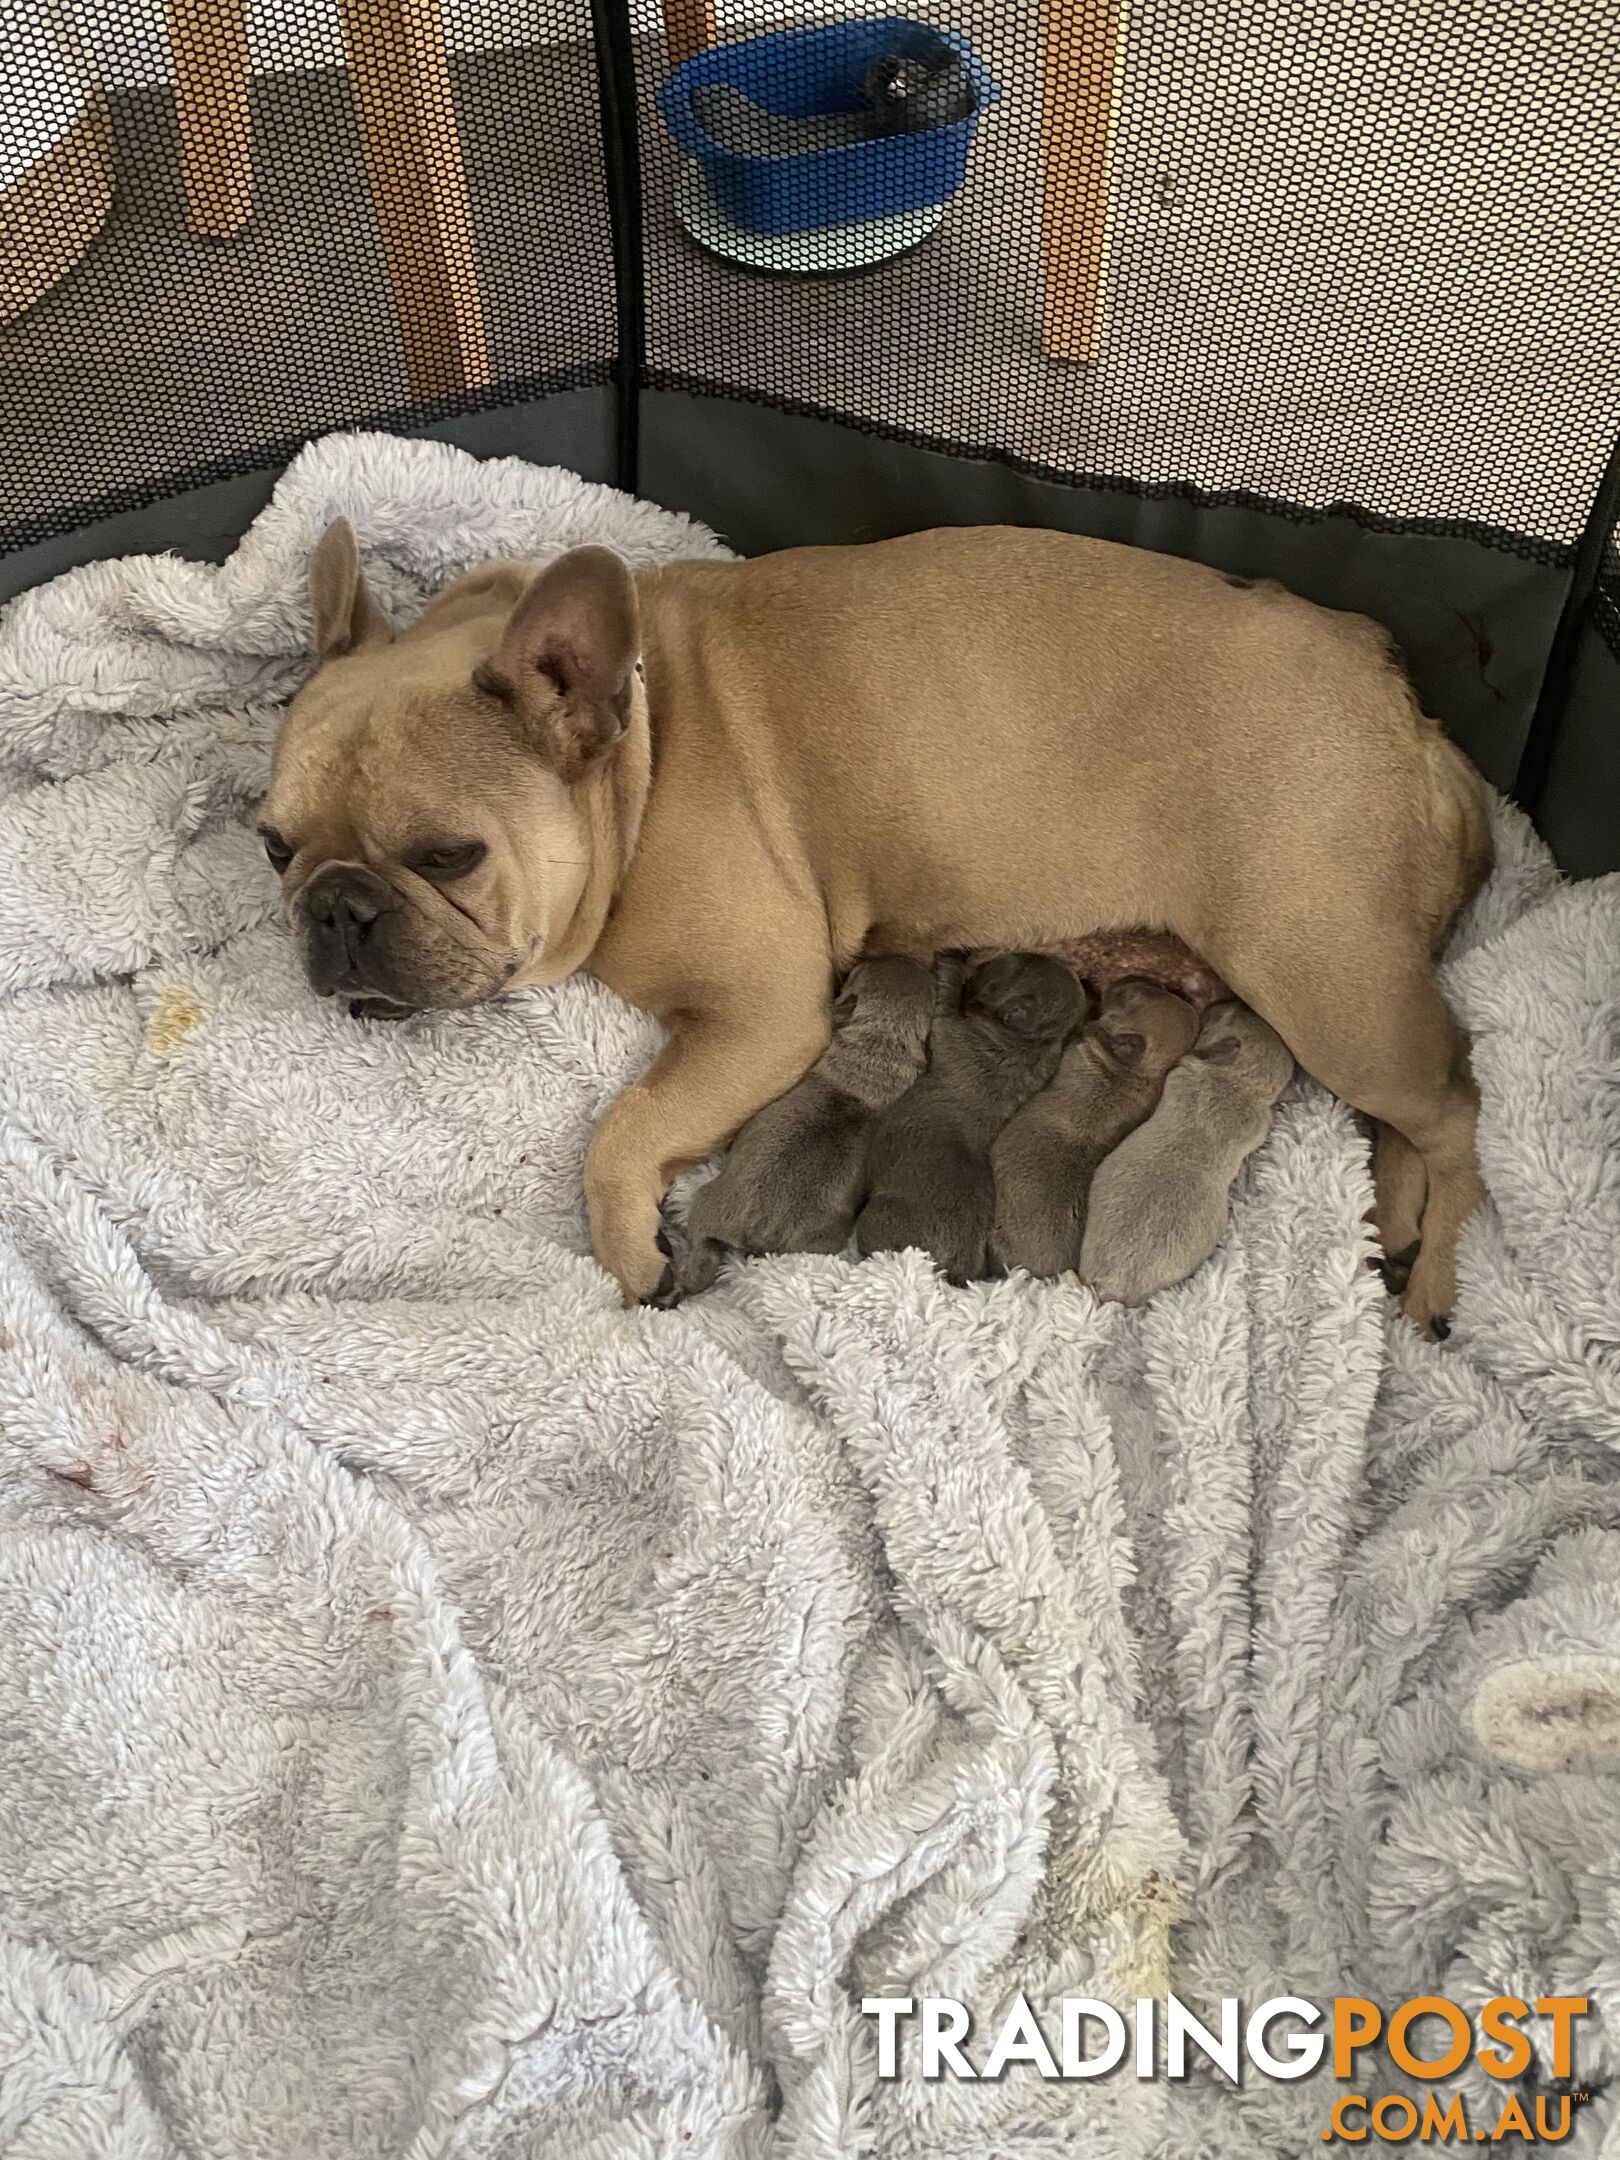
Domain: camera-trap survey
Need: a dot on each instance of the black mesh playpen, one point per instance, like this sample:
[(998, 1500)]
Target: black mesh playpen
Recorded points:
[(1324, 290)]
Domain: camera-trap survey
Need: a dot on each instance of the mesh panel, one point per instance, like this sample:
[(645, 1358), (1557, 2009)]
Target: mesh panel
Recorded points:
[(1326, 252), (222, 230), (1333, 251)]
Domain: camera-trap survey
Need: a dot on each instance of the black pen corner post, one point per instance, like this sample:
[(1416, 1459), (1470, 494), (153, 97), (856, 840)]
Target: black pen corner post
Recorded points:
[(621, 158)]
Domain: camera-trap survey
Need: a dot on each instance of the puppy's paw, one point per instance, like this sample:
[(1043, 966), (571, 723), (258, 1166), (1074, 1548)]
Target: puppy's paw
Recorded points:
[(694, 1262)]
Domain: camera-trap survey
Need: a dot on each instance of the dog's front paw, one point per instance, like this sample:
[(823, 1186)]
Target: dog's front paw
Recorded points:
[(642, 1273), (625, 1231)]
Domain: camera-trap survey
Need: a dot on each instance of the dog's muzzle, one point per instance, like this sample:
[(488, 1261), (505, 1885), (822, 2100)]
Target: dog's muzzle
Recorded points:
[(345, 906)]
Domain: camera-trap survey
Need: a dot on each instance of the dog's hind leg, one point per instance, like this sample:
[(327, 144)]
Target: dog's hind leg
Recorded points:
[(1442, 1125), (1400, 1186), (1364, 1015)]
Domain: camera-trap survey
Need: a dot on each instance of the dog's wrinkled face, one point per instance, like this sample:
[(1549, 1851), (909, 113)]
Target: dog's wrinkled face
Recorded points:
[(424, 811)]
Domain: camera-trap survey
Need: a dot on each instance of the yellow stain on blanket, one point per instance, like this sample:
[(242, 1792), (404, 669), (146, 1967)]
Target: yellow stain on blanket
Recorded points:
[(174, 1016)]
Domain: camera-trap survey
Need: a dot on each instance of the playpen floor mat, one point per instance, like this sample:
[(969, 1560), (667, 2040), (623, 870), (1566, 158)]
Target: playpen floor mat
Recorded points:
[(448, 1714)]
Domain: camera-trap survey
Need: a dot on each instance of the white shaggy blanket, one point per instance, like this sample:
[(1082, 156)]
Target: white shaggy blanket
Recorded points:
[(442, 1713)]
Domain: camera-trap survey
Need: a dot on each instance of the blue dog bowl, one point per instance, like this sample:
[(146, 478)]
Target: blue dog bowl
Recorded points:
[(815, 71)]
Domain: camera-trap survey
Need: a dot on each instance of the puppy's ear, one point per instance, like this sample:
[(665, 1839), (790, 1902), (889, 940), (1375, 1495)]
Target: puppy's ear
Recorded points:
[(566, 657), (1221, 1051), (1129, 1048), (346, 612)]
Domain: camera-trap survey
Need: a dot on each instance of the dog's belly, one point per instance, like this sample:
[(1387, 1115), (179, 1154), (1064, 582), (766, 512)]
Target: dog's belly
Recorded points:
[(1112, 956)]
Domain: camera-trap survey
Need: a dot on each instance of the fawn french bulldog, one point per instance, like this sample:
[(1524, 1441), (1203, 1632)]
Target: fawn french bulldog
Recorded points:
[(717, 784)]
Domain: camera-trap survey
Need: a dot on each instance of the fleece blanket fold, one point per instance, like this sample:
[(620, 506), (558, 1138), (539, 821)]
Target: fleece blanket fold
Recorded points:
[(445, 1714)]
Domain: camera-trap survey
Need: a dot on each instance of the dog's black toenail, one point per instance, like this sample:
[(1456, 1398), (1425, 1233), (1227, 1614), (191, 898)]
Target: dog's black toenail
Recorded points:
[(1442, 1328), (663, 1290)]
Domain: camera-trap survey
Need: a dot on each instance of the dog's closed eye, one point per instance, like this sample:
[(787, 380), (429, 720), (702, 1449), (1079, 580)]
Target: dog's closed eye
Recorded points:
[(446, 860), (280, 851), (1222, 1051)]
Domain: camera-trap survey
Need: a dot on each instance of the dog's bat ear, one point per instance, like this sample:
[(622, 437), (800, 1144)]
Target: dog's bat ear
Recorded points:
[(567, 657), (1221, 1051), (345, 608)]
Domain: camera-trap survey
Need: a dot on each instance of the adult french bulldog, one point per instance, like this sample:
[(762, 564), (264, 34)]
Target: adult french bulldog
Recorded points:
[(716, 784)]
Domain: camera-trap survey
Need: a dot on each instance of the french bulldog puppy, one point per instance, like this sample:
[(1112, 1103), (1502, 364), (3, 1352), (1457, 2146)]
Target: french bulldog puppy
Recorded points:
[(794, 1177), (1107, 1083), (928, 1165), (1159, 1202)]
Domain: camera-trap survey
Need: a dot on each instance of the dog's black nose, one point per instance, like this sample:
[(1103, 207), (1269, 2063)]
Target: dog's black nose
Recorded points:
[(343, 909), (343, 905)]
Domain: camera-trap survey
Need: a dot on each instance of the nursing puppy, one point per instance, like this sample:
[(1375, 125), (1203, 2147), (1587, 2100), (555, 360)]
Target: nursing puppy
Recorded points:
[(1107, 1082), (1159, 1203), (928, 1165), (795, 1174)]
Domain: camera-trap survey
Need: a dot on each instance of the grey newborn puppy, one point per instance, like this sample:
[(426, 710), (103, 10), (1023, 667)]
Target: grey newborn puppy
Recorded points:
[(795, 1174), (928, 1165), (1108, 1081), (1159, 1203)]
